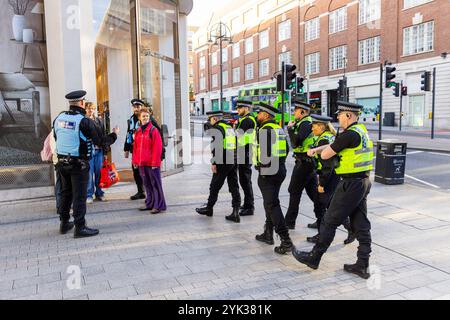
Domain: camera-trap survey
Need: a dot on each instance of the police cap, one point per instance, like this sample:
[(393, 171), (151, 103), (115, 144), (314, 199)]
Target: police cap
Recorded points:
[(137, 102), (76, 96), (214, 114), (264, 107), (299, 104), (244, 103), (344, 106), (322, 119)]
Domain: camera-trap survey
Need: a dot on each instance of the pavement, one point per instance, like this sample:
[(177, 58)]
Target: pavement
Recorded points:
[(181, 255)]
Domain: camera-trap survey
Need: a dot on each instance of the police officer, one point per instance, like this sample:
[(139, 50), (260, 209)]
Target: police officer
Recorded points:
[(223, 165), (75, 135), (355, 150), (303, 175), (246, 137), (133, 125), (270, 161), (324, 134)]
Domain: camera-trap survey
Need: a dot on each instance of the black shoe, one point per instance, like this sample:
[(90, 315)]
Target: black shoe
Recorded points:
[(285, 246), (246, 212), (85, 232), (314, 239), (205, 211), (311, 259), (65, 227), (350, 238), (234, 216), (312, 225), (138, 196), (358, 269), (290, 226), (145, 209), (266, 236)]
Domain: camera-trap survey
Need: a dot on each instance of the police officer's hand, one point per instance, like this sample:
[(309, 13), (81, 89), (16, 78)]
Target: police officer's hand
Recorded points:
[(127, 154), (116, 130), (320, 189), (214, 168), (291, 124), (312, 152)]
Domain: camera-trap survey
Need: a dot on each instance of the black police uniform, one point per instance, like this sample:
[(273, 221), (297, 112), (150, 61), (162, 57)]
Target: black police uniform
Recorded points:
[(349, 200), (247, 125), (304, 174), (270, 185), (133, 125), (226, 170), (74, 171)]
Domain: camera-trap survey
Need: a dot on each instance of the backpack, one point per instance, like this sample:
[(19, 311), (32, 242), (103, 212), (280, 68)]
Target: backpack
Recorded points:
[(163, 153)]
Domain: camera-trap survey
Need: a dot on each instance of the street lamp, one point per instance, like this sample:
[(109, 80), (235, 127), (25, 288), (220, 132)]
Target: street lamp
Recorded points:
[(219, 33)]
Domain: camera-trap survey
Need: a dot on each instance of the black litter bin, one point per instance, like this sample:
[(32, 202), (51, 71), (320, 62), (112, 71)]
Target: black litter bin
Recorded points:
[(389, 119), (391, 162)]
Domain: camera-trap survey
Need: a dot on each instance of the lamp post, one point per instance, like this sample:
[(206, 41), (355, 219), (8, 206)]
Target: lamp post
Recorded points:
[(218, 34)]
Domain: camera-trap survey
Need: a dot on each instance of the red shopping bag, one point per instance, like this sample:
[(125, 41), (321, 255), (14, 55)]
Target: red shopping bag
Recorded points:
[(108, 175)]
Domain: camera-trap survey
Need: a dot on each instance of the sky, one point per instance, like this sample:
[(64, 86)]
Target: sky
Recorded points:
[(203, 10)]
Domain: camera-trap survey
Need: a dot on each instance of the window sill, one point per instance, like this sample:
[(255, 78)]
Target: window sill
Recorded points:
[(416, 54)]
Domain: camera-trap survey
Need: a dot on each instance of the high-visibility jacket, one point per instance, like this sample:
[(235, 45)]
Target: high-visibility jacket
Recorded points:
[(278, 147), (328, 136), (229, 141), (359, 159), (249, 137), (309, 141)]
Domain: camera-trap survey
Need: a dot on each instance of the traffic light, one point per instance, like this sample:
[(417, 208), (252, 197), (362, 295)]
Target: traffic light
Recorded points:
[(396, 89), (390, 76), (289, 75), (300, 85), (279, 82), (426, 81), (404, 91), (342, 90)]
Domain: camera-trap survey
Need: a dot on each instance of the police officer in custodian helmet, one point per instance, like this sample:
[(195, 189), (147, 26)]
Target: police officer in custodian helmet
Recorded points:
[(75, 134)]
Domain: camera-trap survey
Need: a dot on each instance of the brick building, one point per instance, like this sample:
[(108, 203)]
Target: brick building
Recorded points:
[(327, 39)]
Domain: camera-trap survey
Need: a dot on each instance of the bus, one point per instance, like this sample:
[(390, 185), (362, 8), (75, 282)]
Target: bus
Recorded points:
[(269, 95)]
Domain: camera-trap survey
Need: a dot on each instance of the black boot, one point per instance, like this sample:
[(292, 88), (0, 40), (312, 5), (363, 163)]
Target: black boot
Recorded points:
[(267, 235), (351, 236), (138, 196), (314, 239), (290, 226), (85, 232), (311, 259), (312, 225), (65, 227), (360, 268), (285, 246), (234, 216), (246, 212), (205, 211)]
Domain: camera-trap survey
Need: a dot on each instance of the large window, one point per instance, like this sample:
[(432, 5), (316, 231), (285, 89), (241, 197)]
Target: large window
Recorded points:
[(249, 71), (312, 63), (202, 62), (263, 39), (236, 75), (312, 29), (264, 68), (214, 58), (338, 58), (284, 30), (202, 83), (225, 78), (413, 3), (369, 50), (338, 20), (236, 50), (224, 54), (285, 57), (249, 45), (418, 39), (369, 10), (214, 80)]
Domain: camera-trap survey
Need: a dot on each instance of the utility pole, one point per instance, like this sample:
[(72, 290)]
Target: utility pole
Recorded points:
[(380, 128), (221, 68), (433, 106), (401, 105), (283, 84)]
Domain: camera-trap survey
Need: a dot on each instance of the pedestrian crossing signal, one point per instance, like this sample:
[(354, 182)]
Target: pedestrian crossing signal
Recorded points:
[(426, 81)]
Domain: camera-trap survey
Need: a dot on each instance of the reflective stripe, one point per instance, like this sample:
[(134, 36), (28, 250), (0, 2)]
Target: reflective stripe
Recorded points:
[(279, 147), (229, 142), (367, 150), (249, 137), (309, 141), (362, 164)]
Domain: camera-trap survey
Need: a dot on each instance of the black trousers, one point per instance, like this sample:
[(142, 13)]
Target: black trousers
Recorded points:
[(245, 180), (349, 200), (225, 172), (303, 178), (270, 188), (324, 199), (74, 182), (138, 179)]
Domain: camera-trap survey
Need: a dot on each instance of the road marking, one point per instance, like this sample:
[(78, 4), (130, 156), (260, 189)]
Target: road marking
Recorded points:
[(440, 154), (421, 181), (414, 152)]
